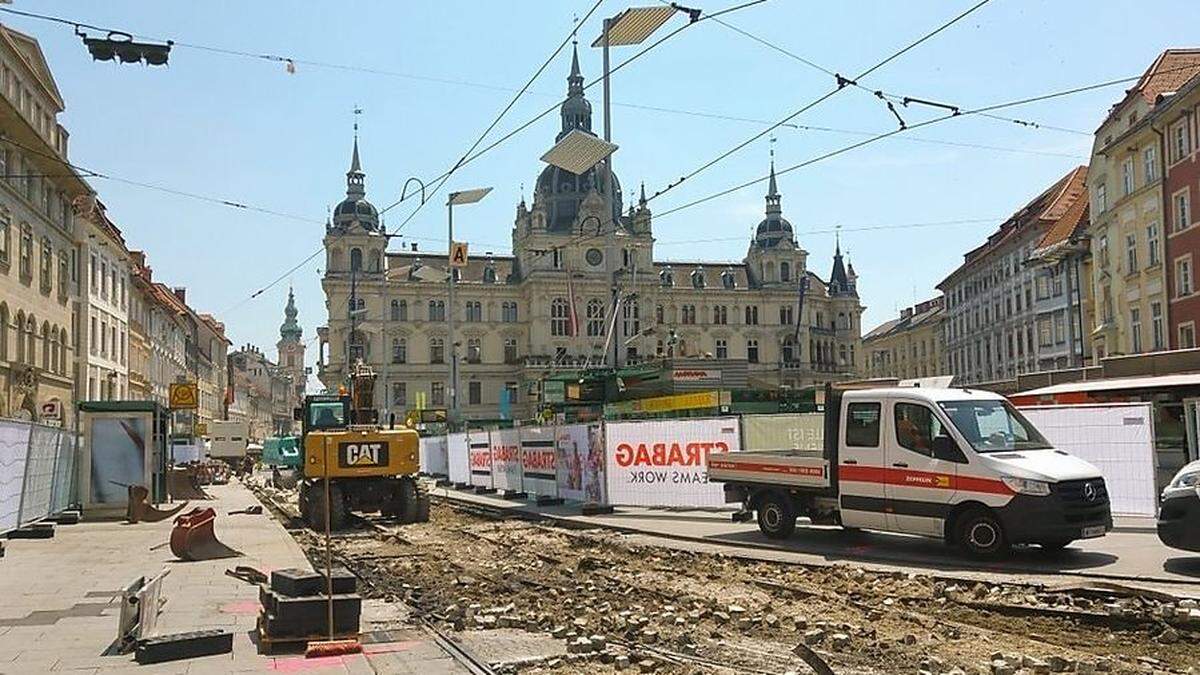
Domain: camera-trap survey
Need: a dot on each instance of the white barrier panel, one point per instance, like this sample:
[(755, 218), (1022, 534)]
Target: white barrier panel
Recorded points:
[(803, 432), (39, 474), (458, 466), (1118, 439), (506, 459), (480, 459), (14, 446), (665, 462), (538, 473), (64, 472), (579, 463), (433, 455)]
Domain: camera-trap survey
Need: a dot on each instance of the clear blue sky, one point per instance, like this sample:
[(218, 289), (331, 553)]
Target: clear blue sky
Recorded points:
[(247, 131)]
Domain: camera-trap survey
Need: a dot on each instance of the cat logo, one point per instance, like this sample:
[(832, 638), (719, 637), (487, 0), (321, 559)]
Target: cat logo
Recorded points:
[(362, 454)]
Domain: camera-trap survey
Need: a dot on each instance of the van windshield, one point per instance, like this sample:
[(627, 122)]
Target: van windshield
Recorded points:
[(994, 426)]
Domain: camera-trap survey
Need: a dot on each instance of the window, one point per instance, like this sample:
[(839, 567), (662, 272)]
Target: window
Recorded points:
[(916, 427), (356, 259), (862, 425), (437, 350), (399, 393), (474, 311), (1150, 163), (1127, 176), (659, 314), (474, 350), (508, 312), (722, 349), (785, 315), (46, 265), (1152, 258), (399, 310), (510, 350), (399, 350), (556, 258), (4, 239), (785, 271), (1135, 331), (1187, 335), (437, 394), (1182, 201), (1180, 141), (1060, 328), (1131, 259), (1101, 198), (62, 275), (437, 310), (789, 350), (474, 393), (559, 320), (698, 280), (595, 317), (994, 426), (751, 315), (687, 314), (26, 253), (509, 393), (1156, 325), (752, 350), (1045, 332), (1183, 277), (326, 415), (631, 318), (720, 315)]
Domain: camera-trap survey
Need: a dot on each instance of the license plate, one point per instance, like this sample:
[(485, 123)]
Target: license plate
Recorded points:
[(1092, 532)]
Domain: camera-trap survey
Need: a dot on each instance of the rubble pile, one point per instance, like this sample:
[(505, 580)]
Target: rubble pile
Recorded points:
[(619, 607)]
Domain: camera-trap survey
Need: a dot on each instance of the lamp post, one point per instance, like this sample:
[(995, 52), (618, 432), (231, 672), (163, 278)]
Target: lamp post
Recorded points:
[(458, 198)]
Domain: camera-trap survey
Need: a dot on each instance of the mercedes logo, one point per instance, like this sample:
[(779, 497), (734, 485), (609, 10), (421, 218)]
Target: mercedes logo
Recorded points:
[(1089, 492)]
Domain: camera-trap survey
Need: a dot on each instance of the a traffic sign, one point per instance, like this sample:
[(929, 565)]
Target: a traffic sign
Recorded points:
[(184, 395), (51, 410), (458, 254)]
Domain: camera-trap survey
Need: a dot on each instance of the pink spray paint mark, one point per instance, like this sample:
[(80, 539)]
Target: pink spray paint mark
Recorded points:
[(241, 607)]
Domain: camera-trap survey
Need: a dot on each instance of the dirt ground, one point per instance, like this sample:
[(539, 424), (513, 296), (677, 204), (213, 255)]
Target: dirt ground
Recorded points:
[(622, 607)]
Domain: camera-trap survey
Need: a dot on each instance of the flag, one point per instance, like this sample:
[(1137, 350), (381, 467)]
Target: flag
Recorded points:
[(572, 315)]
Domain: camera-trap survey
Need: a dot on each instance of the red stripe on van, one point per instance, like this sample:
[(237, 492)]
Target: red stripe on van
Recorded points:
[(921, 479)]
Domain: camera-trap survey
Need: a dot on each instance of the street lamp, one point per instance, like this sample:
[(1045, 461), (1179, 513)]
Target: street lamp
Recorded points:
[(458, 198)]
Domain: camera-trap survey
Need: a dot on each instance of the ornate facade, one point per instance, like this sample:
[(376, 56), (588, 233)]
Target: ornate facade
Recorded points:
[(548, 306)]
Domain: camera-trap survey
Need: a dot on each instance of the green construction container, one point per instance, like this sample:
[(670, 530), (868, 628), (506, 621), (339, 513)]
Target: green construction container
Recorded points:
[(283, 452)]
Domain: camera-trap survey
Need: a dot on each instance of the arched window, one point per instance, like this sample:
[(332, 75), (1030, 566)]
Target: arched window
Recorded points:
[(790, 350), (31, 341), (437, 310), (399, 350), (785, 271), (437, 350), (356, 260), (559, 320), (843, 322), (358, 347), (399, 310), (769, 274), (631, 315), (489, 275), (595, 317), (659, 314), (842, 355)]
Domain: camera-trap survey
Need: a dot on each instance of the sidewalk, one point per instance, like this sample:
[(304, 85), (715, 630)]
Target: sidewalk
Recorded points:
[(58, 610)]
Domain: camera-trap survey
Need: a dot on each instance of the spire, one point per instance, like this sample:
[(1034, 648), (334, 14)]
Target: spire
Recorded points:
[(575, 79), (839, 282), (642, 198), (355, 184), (355, 165), (774, 207), (576, 111), (290, 331)]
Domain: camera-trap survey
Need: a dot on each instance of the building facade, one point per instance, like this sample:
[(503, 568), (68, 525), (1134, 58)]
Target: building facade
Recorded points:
[(140, 351), (1176, 120), (1127, 215), (39, 274), (910, 346), (1007, 312), (103, 308), (580, 270)]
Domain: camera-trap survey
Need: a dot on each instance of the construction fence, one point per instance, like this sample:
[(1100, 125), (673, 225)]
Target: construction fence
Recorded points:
[(37, 472)]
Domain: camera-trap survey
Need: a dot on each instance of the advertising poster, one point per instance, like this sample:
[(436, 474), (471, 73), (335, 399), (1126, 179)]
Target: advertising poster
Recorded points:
[(118, 447), (479, 455), (538, 461), (506, 459), (14, 445), (579, 463), (665, 463), (456, 459)]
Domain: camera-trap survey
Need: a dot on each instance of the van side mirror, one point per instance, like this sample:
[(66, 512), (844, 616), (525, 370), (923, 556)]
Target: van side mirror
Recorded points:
[(945, 448)]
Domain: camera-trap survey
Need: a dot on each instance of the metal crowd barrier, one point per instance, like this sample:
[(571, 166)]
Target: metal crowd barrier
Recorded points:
[(37, 472)]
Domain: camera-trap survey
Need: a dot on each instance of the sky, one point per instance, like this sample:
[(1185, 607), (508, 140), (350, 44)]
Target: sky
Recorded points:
[(430, 76)]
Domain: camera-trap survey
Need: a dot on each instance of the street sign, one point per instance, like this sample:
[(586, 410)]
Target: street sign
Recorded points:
[(51, 410), (201, 428), (458, 254), (184, 395)]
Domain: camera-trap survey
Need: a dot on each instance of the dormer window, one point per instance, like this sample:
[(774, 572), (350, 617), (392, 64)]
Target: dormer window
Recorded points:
[(728, 280), (667, 277), (698, 278), (489, 275)]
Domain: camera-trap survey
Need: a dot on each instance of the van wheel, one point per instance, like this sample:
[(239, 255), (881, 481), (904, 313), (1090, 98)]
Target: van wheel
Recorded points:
[(776, 517), (981, 534)]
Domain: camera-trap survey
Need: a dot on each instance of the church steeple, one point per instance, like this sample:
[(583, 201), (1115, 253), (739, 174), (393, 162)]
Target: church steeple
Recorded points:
[(355, 178), (290, 331), (839, 282), (576, 111), (774, 200)]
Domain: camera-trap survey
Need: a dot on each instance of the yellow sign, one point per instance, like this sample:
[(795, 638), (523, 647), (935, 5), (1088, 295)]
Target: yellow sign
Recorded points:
[(184, 395), (458, 254), (201, 429), (660, 404)]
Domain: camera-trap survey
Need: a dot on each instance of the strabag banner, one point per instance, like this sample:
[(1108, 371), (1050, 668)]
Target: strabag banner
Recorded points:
[(538, 461), (506, 459), (479, 459), (457, 464), (665, 463), (579, 465)]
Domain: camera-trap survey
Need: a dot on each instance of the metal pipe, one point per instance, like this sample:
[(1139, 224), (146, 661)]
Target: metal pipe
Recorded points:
[(450, 310)]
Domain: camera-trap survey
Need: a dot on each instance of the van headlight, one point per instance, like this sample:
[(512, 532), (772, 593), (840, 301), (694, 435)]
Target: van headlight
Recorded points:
[(1025, 486), (1186, 479)]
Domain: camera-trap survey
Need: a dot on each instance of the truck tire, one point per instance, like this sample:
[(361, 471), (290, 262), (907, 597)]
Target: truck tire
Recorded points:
[(407, 494), (776, 516), (422, 504), (316, 507), (980, 534)]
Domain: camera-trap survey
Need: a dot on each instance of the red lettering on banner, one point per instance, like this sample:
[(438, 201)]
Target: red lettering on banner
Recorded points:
[(539, 459), (662, 454), (505, 453), (481, 460)]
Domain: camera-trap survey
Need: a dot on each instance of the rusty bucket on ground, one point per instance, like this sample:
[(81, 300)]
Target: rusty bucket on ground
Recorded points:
[(183, 484), (139, 510), (193, 537)]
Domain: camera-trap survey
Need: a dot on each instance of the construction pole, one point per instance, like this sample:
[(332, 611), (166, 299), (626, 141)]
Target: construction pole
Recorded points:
[(450, 312)]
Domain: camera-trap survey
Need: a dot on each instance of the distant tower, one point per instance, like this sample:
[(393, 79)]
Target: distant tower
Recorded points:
[(291, 348)]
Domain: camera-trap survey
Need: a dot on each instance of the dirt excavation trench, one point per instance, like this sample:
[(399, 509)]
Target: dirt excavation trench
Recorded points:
[(609, 606)]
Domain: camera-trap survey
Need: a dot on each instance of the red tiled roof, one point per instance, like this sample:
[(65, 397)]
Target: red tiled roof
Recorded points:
[(1170, 71)]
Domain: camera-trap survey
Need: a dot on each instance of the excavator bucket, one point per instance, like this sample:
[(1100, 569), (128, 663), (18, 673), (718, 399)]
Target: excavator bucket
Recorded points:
[(193, 538), (182, 484), (138, 510)]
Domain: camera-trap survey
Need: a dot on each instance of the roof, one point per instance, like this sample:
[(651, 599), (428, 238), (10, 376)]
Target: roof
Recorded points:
[(1118, 384), (932, 394), (1170, 71), (1041, 214), (910, 318), (31, 52)]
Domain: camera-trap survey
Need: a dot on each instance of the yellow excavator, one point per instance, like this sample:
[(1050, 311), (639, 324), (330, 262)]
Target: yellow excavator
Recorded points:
[(369, 467)]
